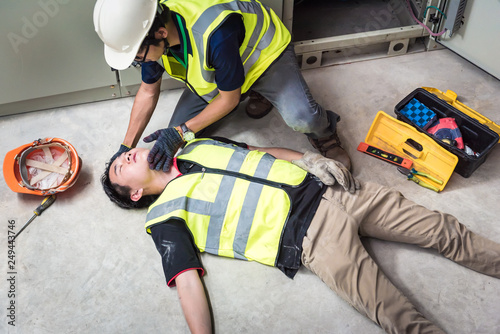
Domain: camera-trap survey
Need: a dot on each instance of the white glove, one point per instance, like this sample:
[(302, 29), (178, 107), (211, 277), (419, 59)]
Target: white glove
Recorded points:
[(328, 171)]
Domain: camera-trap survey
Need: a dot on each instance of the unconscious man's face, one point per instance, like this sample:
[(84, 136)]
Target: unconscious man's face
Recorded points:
[(128, 181), (131, 169)]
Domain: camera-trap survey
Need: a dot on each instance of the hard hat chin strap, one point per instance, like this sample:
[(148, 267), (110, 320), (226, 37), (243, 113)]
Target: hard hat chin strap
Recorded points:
[(166, 46)]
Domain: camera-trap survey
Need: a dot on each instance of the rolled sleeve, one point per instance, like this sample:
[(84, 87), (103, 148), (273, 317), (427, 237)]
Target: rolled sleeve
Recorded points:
[(151, 72)]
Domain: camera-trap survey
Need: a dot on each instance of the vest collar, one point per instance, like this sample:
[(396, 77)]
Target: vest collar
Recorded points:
[(181, 51)]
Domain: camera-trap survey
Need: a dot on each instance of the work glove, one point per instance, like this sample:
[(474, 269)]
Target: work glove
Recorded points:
[(328, 171), (167, 143), (123, 148)]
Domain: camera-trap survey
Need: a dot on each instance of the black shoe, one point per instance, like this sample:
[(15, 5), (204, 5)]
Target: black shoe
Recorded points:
[(258, 106)]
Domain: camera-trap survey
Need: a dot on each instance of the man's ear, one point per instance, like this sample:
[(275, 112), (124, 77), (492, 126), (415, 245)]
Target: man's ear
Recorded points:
[(161, 33), (136, 195)]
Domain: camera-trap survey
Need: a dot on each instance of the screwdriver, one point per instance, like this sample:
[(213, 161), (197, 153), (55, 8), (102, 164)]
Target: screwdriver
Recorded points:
[(47, 201)]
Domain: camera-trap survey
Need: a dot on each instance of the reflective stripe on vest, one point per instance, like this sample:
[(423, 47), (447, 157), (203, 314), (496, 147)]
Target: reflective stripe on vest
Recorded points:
[(229, 212), (267, 40)]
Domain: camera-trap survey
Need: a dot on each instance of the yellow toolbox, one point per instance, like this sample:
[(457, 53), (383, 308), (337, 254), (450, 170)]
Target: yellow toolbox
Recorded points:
[(389, 134), (479, 138)]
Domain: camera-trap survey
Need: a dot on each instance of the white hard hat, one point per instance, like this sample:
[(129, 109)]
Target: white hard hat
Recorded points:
[(122, 25)]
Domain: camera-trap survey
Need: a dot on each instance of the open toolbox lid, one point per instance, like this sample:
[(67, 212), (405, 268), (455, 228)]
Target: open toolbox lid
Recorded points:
[(451, 98), (397, 137)]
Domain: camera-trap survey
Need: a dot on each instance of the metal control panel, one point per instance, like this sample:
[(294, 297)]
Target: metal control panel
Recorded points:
[(475, 34)]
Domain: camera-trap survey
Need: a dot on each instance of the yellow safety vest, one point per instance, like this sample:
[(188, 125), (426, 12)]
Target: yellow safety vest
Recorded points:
[(236, 206), (266, 38)]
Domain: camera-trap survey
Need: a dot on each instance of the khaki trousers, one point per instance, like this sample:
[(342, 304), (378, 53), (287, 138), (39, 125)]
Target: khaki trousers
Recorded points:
[(333, 251)]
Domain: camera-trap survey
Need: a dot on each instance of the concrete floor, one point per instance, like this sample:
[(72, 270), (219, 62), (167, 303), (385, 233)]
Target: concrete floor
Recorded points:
[(86, 266)]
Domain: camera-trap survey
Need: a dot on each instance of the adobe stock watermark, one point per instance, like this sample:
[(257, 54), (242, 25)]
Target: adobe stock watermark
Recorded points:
[(31, 26)]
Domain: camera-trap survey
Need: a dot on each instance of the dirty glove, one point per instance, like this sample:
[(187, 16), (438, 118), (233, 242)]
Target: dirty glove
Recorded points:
[(123, 148), (167, 143), (328, 171)]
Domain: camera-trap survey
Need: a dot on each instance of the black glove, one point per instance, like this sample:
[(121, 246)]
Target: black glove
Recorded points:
[(167, 143), (123, 148)]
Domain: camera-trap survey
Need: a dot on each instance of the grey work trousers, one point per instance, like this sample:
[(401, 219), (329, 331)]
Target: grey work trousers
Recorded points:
[(332, 249), (284, 86)]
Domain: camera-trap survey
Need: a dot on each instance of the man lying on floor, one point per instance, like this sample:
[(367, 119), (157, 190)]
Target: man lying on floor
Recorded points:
[(244, 203)]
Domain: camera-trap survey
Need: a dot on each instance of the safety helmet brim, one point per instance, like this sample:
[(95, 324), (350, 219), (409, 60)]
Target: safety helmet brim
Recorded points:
[(11, 173), (120, 60)]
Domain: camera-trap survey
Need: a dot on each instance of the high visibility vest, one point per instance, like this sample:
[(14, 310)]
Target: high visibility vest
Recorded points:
[(266, 38), (236, 205)]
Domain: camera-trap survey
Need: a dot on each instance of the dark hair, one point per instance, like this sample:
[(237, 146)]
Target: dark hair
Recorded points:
[(160, 20), (120, 195)]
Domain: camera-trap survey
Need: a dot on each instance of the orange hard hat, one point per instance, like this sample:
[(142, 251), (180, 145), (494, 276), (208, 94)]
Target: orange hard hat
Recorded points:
[(44, 167)]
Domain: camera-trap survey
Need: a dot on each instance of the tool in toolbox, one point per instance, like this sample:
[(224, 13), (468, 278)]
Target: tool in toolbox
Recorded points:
[(410, 173), (384, 155), (451, 98), (419, 114), (47, 201)]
